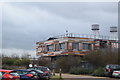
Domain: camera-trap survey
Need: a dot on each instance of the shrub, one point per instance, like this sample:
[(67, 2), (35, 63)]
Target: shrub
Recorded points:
[(25, 62), (17, 62), (77, 70), (43, 62), (8, 61), (100, 58), (98, 72), (14, 62), (67, 62), (72, 71)]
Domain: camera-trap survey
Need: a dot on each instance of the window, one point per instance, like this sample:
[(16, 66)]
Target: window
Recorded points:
[(62, 45), (86, 46), (56, 47), (22, 72), (14, 73), (3, 73), (75, 46), (49, 48), (39, 71), (33, 72)]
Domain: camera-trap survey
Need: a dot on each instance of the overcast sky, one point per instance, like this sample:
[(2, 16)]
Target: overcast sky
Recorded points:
[(26, 23)]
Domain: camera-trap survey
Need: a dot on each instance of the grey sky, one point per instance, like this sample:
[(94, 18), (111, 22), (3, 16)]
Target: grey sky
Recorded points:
[(119, 22), (26, 23)]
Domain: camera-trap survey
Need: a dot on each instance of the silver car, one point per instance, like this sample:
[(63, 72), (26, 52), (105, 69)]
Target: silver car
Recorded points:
[(116, 74)]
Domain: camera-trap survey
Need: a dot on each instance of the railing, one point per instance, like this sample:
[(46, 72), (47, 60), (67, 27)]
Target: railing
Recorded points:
[(87, 36)]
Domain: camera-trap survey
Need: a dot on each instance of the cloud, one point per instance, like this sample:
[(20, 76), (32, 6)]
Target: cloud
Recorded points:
[(26, 23), (18, 52)]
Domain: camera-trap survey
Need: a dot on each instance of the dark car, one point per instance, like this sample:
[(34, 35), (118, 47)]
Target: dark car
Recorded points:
[(42, 75), (110, 68), (27, 74), (42, 68)]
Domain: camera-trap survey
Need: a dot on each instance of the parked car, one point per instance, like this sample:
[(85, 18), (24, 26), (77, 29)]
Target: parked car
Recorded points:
[(116, 74), (10, 75), (42, 75), (110, 68), (1, 76), (27, 74), (42, 68)]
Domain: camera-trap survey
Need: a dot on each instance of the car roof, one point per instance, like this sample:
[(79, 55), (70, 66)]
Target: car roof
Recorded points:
[(20, 70), (38, 67), (24, 70), (31, 70), (7, 71), (112, 64)]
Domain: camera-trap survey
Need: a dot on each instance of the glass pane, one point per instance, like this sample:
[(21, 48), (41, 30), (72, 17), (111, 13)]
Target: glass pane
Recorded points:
[(13, 73)]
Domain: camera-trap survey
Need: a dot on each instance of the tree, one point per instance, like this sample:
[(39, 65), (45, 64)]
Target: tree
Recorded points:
[(67, 62), (43, 62), (101, 57), (15, 55)]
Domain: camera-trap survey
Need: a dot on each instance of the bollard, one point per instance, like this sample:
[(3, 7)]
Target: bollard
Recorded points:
[(60, 71)]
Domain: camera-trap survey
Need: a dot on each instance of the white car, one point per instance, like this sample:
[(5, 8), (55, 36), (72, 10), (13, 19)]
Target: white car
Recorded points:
[(116, 74)]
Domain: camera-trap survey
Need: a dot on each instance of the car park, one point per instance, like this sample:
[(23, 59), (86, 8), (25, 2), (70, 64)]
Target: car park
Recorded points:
[(27, 74), (10, 75), (110, 68), (42, 68), (116, 74), (42, 75)]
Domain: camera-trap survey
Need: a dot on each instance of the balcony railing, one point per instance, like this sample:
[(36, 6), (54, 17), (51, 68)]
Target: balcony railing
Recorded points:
[(88, 36)]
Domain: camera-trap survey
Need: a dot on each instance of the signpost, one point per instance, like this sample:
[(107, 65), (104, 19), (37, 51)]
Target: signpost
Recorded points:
[(60, 73), (53, 68)]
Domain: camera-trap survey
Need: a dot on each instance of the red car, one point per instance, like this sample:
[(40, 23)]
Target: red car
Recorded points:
[(10, 75)]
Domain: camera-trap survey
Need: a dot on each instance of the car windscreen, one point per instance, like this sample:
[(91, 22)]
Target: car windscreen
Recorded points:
[(14, 73), (33, 72), (38, 71), (40, 68), (22, 72), (2, 73)]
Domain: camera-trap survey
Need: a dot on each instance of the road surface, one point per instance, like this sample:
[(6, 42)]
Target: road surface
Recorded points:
[(84, 77)]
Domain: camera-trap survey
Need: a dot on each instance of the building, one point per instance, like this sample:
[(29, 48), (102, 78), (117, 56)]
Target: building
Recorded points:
[(72, 44)]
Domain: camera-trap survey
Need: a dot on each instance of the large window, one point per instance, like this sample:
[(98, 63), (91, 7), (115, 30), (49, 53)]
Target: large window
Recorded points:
[(75, 46), (50, 48), (62, 45), (86, 46), (56, 47)]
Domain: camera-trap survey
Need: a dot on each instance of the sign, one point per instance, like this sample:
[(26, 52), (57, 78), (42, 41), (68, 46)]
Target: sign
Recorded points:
[(53, 66)]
